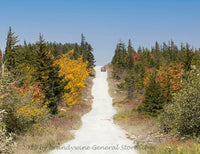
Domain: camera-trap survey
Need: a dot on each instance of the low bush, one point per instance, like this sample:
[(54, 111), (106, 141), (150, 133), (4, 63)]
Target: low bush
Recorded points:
[(23, 106), (182, 116), (6, 139)]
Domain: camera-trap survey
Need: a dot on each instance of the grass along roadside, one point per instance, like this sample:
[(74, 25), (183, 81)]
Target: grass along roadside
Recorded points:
[(144, 131), (137, 126), (55, 131)]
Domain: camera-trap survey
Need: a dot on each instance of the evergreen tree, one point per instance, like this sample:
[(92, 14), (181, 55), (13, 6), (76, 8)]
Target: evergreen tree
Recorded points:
[(154, 99), (83, 47), (157, 55), (130, 84), (11, 51), (48, 74), (187, 57), (76, 53), (130, 60), (82, 42), (89, 55), (116, 56), (172, 52), (139, 50), (119, 59), (86, 50), (28, 53), (164, 49)]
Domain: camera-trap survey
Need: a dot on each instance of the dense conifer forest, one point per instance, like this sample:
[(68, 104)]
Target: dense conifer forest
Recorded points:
[(167, 78)]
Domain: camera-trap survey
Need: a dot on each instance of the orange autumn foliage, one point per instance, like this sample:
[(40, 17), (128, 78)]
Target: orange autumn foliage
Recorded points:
[(35, 107), (34, 90), (136, 57), (76, 72), (169, 77), (148, 72)]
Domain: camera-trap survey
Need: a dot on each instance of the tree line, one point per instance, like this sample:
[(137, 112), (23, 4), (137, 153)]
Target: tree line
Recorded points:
[(163, 75), (35, 78)]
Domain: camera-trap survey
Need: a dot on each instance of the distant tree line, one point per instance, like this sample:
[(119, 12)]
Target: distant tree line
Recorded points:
[(40, 57), (35, 78), (162, 75)]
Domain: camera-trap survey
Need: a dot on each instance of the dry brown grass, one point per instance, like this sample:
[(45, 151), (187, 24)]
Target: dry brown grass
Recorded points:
[(137, 126), (44, 137), (144, 130), (55, 131), (116, 94)]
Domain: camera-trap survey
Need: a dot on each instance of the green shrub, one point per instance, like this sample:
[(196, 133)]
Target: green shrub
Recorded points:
[(182, 116), (61, 114), (6, 139), (20, 111), (10, 102), (116, 76)]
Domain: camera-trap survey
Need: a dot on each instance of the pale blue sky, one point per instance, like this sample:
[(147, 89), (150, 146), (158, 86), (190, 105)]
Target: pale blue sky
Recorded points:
[(103, 22)]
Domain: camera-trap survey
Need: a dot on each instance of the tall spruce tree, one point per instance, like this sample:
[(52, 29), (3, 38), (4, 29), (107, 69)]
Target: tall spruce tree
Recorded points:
[(130, 84), (157, 55), (130, 60), (119, 59), (47, 73), (86, 50), (11, 51), (139, 50), (187, 58), (76, 53), (154, 99), (83, 48)]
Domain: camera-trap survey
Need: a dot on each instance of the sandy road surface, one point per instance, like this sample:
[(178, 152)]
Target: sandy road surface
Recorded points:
[(98, 134)]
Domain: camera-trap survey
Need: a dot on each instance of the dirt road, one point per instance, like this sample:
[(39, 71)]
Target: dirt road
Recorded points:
[(98, 134)]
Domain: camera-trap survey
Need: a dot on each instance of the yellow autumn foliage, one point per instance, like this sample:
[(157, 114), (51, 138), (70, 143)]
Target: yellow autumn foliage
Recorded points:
[(76, 72), (32, 111), (33, 98)]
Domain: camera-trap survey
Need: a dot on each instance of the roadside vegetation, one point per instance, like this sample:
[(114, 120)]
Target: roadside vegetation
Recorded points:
[(156, 94), (45, 88)]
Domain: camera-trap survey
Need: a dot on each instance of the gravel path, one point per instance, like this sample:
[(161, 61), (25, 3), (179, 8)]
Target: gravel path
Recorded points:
[(98, 134)]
